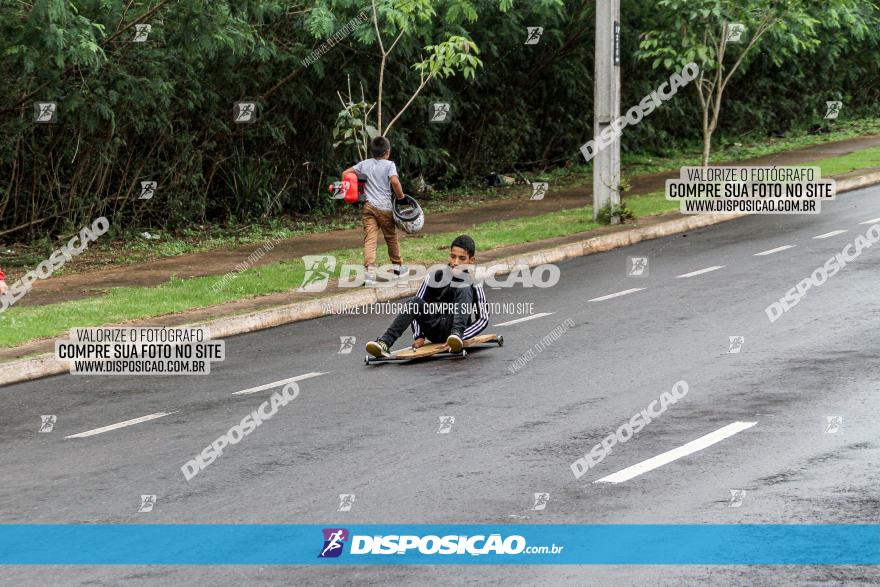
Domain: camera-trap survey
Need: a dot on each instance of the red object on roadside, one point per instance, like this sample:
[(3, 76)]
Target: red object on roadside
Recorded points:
[(2, 276)]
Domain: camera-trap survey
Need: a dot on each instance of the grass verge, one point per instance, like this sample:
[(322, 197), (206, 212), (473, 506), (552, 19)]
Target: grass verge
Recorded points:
[(846, 163), (133, 248), (21, 324)]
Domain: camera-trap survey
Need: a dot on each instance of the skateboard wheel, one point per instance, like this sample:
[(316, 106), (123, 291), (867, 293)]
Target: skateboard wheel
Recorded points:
[(500, 340), (366, 359), (463, 353)]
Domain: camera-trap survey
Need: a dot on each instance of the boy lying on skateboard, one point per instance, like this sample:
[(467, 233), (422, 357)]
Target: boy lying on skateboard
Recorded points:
[(450, 306)]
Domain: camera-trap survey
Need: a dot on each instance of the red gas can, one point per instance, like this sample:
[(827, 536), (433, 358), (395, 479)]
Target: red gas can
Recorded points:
[(349, 189)]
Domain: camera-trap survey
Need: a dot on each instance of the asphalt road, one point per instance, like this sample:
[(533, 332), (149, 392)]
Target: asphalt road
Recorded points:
[(373, 431)]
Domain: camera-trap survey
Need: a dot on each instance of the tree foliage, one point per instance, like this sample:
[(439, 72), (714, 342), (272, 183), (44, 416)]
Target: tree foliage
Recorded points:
[(702, 32), (162, 109)]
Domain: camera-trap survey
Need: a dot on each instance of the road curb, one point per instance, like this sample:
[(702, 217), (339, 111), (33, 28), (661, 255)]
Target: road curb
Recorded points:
[(46, 365)]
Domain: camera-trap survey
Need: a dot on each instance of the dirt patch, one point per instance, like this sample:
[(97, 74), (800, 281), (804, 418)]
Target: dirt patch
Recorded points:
[(220, 261)]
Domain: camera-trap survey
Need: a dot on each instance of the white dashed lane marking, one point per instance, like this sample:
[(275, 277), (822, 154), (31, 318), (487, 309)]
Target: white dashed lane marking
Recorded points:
[(700, 271), (518, 320), (830, 234), (676, 453), (120, 425), (163, 414), (872, 221), (776, 250), (616, 295), (279, 383)]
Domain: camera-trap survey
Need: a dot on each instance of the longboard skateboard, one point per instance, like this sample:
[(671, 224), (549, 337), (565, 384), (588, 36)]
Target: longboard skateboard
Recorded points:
[(434, 348)]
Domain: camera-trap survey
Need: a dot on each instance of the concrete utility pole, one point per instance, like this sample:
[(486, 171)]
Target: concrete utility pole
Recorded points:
[(606, 103)]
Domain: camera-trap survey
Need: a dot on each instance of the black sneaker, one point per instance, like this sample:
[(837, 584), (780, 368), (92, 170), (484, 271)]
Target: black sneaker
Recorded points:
[(454, 342), (378, 348)]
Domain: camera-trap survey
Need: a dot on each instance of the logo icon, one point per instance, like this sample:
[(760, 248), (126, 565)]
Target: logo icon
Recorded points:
[(541, 500), (142, 31), (346, 344), (440, 112), (446, 423), (735, 31), (637, 266), (832, 109), (736, 343), (45, 112), (736, 498), (334, 540), (148, 190), (539, 190), (147, 503), (833, 424), (47, 423), (346, 500), (244, 112), (534, 34), (318, 271)]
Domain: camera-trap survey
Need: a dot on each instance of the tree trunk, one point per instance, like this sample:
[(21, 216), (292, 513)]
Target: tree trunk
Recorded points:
[(379, 101), (707, 146), (707, 133)]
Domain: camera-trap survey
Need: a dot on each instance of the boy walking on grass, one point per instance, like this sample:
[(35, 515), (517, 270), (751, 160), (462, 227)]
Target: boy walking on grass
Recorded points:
[(377, 215)]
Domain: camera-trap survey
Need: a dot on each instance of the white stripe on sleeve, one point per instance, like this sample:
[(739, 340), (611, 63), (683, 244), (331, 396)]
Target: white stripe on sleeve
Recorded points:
[(417, 332), (482, 314)]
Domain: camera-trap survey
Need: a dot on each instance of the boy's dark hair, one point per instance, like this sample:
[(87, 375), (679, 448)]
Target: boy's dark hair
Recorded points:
[(379, 146), (466, 243)]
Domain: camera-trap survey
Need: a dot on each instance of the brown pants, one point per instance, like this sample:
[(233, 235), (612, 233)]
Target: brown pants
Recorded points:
[(374, 221)]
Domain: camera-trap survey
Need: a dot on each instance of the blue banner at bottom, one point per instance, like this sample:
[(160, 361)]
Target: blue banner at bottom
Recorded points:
[(228, 544)]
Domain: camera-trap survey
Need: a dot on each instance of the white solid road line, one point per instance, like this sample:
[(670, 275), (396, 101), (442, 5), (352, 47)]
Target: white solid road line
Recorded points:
[(618, 294), (830, 234), (532, 317), (700, 272), (280, 383), (121, 425), (776, 250), (872, 221), (676, 453)]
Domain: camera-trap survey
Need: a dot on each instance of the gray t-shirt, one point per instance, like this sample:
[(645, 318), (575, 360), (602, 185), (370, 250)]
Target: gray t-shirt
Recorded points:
[(378, 172)]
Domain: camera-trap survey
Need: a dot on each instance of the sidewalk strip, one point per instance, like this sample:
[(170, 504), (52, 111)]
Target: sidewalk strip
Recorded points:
[(873, 221), (280, 383), (121, 425), (700, 271), (776, 250), (518, 320), (676, 453), (618, 294), (830, 234)]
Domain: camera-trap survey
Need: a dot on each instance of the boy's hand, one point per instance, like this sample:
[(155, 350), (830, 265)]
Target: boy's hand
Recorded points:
[(418, 343), (396, 187), (3, 287)]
